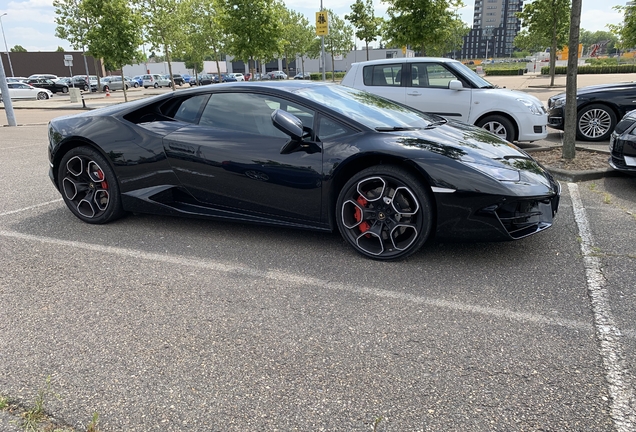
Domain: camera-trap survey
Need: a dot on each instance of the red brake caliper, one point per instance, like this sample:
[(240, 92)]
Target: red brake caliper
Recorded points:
[(364, 226), (100, 175)]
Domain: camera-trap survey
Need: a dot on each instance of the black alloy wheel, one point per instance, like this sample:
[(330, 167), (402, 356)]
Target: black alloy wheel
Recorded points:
[(499, 125), (595, 123), (89, 187), (384, 212)]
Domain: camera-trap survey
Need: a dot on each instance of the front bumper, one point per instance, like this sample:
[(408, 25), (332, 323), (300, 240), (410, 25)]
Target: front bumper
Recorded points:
[(555, 117), (533, 128), (623, 152)]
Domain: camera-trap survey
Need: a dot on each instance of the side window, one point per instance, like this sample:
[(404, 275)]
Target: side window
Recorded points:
[(190, 108), (329, 129), (383, 75), (430, 75), (250, 112)]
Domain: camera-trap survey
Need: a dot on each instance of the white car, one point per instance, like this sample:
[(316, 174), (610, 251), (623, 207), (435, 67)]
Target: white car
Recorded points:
[(449, 88), (19, 90), (238, 76)]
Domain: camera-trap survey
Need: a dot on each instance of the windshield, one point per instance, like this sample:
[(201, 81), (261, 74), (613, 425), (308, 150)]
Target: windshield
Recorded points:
[(370, 110), (470, 75)]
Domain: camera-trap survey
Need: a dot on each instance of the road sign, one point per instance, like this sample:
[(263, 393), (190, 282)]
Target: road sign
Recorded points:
[(322, 23), (68, 60)]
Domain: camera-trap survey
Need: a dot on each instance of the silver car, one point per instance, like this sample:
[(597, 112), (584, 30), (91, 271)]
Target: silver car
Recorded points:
[(113, 83)]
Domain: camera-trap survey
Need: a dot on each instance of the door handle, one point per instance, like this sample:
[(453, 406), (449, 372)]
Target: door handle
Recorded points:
[(414, 94)]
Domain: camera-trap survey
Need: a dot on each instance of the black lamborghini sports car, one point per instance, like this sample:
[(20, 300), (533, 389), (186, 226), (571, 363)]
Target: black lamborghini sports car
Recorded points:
[(302, 155)]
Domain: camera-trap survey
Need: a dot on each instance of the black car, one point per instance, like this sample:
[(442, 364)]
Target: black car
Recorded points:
[(599, 109), (623, 144), (48, 84), (178, 79), (203, 79), (299, 154), (76, 82)]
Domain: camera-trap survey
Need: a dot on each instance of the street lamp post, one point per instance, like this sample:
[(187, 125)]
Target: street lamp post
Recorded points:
[(5, 44)]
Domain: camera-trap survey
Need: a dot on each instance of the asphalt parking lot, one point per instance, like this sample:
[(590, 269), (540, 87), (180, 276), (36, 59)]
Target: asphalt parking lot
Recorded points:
[(166, 324)]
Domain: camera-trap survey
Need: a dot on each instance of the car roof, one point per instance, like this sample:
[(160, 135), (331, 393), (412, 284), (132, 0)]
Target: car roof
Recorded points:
[(406, 60)]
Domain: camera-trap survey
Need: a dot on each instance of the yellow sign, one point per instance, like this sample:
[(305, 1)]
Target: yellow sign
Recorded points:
[(404, 50), (322, 23)]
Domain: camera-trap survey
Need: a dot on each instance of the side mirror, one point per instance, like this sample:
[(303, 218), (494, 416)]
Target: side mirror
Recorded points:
[(455, 85), (288, 124)]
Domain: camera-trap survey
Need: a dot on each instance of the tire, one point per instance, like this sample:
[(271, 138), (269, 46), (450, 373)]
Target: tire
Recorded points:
[(89, 187), (126, 86), (499, 125), (384, 213), (85, 88), (42, 96), (106, 88), (136, 85), (64, 90), (156, 85), (595, 123)]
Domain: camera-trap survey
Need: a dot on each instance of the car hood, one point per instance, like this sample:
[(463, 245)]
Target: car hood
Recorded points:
[(600, 87), (512, 95)]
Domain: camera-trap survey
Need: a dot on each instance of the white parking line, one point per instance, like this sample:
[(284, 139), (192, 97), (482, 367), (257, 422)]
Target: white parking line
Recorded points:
[(30, 208), (301, 280), (621, 390)]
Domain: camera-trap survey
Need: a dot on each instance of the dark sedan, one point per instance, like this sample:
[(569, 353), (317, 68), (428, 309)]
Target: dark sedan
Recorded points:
[(203, 79), (48, 84), (301, 155), (599, 109), (623, 145)]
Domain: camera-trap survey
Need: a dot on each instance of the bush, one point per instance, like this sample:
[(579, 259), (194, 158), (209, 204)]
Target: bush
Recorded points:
[(508, 71), (606, 69), (317, 76)]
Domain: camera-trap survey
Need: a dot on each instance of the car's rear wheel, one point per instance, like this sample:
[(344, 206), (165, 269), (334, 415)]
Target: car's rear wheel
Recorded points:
[(595, 123), (89, 187), (499, 125), (384, 212), (156, 85), (42, 96), (136, 85)]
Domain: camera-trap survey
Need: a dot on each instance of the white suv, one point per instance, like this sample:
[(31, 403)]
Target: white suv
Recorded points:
[(238, 76), (449, 88)]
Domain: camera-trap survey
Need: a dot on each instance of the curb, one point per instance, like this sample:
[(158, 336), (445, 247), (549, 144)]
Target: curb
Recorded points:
[(577, 176)]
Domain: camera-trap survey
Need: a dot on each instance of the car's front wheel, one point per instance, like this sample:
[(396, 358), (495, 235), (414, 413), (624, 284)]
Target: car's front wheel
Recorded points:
[(156, 85), (384, 212), (42, 96), (136, 85), (89, 187), (64, 89), (85, 88), (499, 125), (595, 123)]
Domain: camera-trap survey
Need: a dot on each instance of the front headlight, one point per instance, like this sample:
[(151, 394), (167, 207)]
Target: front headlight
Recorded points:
[(499, 173), (532, 106), (556, 103)]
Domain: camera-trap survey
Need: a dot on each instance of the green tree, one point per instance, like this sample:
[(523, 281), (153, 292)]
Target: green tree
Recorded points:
[(18, 48), (203, 33), (529, 42), (626, 31), (363, 19), (72, 25), (296, 35), (252, 29), (454, 40), (419, 23), (163, 27), (60, 49), (116, 35), (339, 40), (548, 21)]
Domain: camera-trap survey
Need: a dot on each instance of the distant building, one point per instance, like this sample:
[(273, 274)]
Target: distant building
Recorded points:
[(495, 26)]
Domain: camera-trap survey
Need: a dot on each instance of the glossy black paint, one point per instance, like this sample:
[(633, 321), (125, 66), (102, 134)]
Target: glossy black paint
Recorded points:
[(620, 98), (166, 166), (623, 145)]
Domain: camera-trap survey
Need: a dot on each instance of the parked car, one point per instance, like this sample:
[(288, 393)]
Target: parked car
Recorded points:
[(302, 75), (277, 75), (256, 152), (247, 76), (178, 79), (449, 88), (237, 76), (154, 80), (112, 83), (186, 78), (139, 80), (599, 109), (623, 144), (228, 78), (45, 76), (92, 81), (54, 86), (18, 90), (201, 79), (17, 79), (77, 82), (132, 82)]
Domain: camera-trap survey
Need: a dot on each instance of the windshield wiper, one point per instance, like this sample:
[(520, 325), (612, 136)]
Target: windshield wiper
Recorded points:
[(396, 128)]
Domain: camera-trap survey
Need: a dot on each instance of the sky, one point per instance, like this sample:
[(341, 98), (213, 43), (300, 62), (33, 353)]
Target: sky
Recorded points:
[(30, 23)]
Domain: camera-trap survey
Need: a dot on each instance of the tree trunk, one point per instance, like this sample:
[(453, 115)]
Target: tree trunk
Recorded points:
[(333, 67), (553, 49), (124, 85), (569, 139), (367, 44), (170, 68)]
